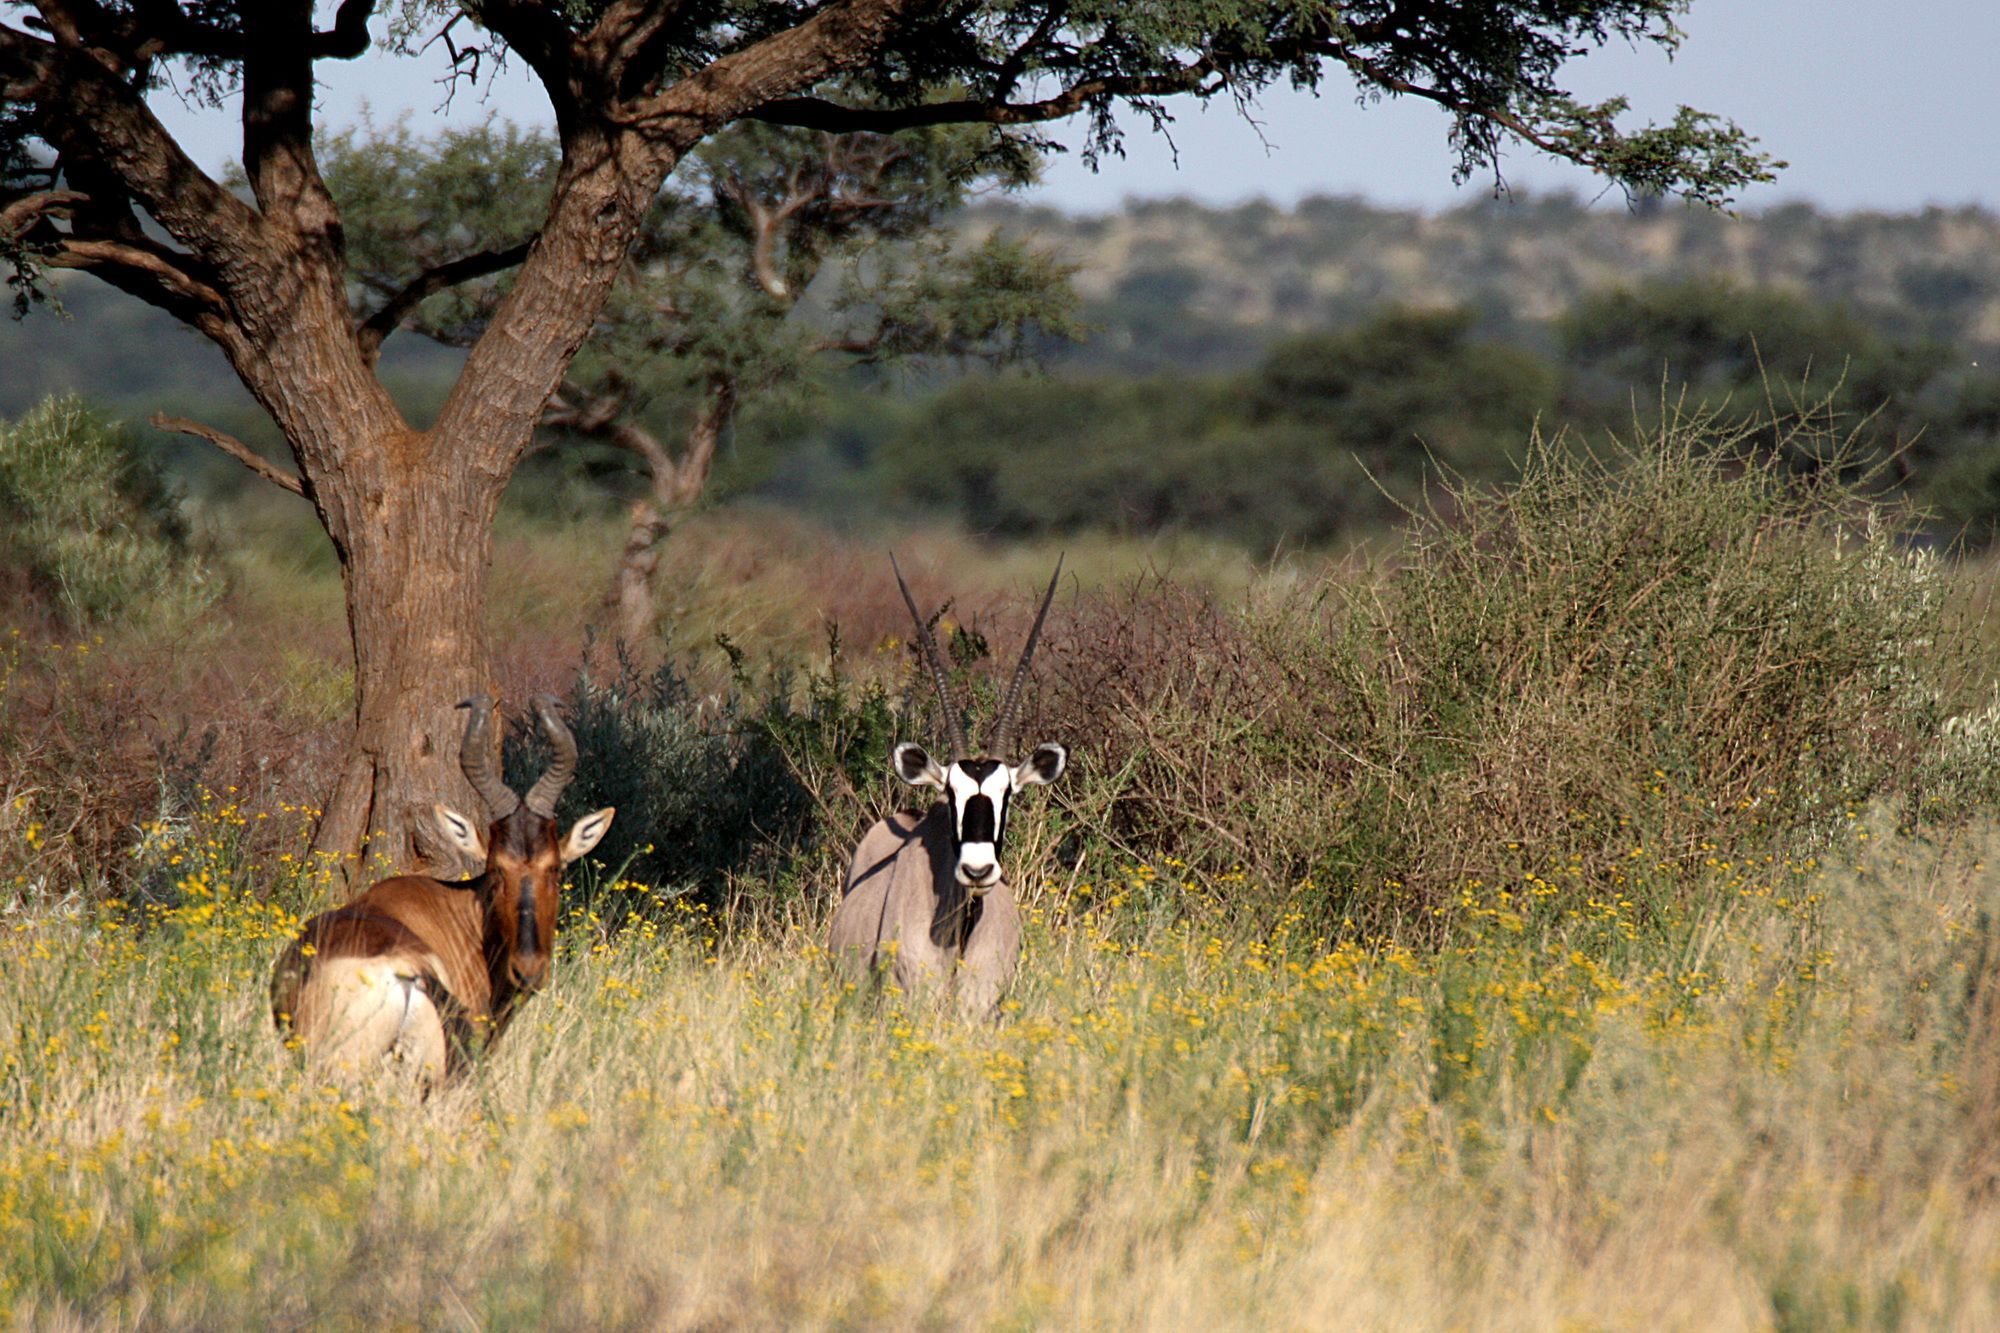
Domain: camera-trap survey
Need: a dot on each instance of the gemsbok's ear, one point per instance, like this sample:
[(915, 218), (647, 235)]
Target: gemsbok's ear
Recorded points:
[(588, 832), (1044, 766), (460, 832), (915, 766)]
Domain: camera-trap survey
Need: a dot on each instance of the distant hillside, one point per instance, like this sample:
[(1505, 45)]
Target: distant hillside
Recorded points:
[(1187, 292), (1178, 282)]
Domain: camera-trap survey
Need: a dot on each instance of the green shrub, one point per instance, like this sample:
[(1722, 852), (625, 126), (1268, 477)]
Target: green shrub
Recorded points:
[(90, 523), (1309, 447), (702, 796), (1565, 693)]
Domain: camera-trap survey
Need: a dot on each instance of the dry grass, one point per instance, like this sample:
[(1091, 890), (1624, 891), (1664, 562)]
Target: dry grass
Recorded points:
[(1740, 1088), (1767, 1120)]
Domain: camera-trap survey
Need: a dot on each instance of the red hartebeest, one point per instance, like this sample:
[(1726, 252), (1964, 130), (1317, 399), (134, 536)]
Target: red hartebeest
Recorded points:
[(412, 969)]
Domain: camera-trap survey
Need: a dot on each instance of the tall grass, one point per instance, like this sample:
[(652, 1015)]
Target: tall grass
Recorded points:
[(1557, 924), (1775, 1115)]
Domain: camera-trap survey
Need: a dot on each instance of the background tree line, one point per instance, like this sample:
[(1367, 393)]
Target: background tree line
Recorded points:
[(1141, 410)]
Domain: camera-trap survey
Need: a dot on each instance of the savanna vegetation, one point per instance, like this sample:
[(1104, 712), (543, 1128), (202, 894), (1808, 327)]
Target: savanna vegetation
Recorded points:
[(258, 262), (1181, 381), (1577, 912)]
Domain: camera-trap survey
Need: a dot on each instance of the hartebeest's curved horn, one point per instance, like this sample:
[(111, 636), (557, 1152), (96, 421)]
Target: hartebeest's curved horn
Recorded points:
[(548, 788), (953, 718), (475, 760), (1003, 727)]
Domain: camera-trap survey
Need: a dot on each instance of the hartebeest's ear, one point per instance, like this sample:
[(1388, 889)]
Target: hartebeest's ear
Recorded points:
[(461, 832), (1044, 766), (586, 834), (915, 766)]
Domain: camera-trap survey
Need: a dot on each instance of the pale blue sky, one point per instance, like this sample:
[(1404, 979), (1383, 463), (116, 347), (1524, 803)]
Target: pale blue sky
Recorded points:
[(1876, 105)]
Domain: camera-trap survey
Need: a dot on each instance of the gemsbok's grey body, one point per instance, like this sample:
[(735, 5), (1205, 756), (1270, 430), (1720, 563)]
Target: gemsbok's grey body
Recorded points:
[(412, 970), (925, 901), (904, 911)]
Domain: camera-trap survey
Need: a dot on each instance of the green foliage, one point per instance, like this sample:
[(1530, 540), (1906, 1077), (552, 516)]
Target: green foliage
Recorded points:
[(1586, 679), (21, 171), (1963, 487), (410, 202), (1407, 379), (1497, 69), (772, 255), (92, 526), (1301, 450), (702, 795), (1751, 347), (1698, 155)]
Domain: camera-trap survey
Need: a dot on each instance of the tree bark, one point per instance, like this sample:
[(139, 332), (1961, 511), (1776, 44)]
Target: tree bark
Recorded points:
[(676, 485), (411, 515), (414, 538), (415, 548)]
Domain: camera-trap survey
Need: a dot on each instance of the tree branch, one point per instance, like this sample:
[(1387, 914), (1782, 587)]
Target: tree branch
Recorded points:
[(383, 322), (91, 114), (235, 448), (819, 113), (538, 36), (348, 38), (149, 273), (625, 38), (277, 123), (772, 68), (24, 212)]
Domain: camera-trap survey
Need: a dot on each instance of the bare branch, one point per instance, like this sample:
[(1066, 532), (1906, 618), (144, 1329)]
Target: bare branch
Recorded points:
[(625, 37), (91, 114), (537, 35), (62, 22), (378, 326), (23, 213), (235, 448), (763, 245), (772, 68), (1374, 73), (149, 273), (348, 38)]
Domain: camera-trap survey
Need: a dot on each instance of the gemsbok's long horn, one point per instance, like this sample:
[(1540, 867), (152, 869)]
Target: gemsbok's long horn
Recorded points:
[(548, 788), (1003, 727), (954, 719), (475, 760)]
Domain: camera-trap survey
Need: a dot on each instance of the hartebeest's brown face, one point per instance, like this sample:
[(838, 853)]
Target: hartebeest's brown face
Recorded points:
[(523, 848)]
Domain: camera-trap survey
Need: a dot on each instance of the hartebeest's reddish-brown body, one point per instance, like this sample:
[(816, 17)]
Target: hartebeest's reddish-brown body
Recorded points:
[(414, 970)]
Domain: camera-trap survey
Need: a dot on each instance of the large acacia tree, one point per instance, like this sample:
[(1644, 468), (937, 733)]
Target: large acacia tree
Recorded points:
[(710, 313), (93, 181)]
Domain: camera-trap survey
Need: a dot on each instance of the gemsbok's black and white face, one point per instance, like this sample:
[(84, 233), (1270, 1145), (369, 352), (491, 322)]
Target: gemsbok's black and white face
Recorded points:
[(979, 791), (980, 786)]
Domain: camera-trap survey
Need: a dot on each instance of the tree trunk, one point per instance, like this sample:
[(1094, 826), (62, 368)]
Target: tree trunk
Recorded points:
[(415, 572), (633, 609), (676, 484), (411, 515)]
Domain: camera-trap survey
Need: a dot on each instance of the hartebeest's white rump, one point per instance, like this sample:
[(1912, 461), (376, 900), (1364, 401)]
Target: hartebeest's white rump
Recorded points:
[(925, 898), (414, 968)]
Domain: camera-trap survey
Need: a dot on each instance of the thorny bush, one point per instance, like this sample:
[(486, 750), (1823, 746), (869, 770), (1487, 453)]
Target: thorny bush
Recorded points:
[(1615, 667)]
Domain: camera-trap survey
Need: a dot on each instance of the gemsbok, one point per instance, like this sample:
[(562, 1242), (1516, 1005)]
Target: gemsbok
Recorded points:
[(925, 898), (415, 969)]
